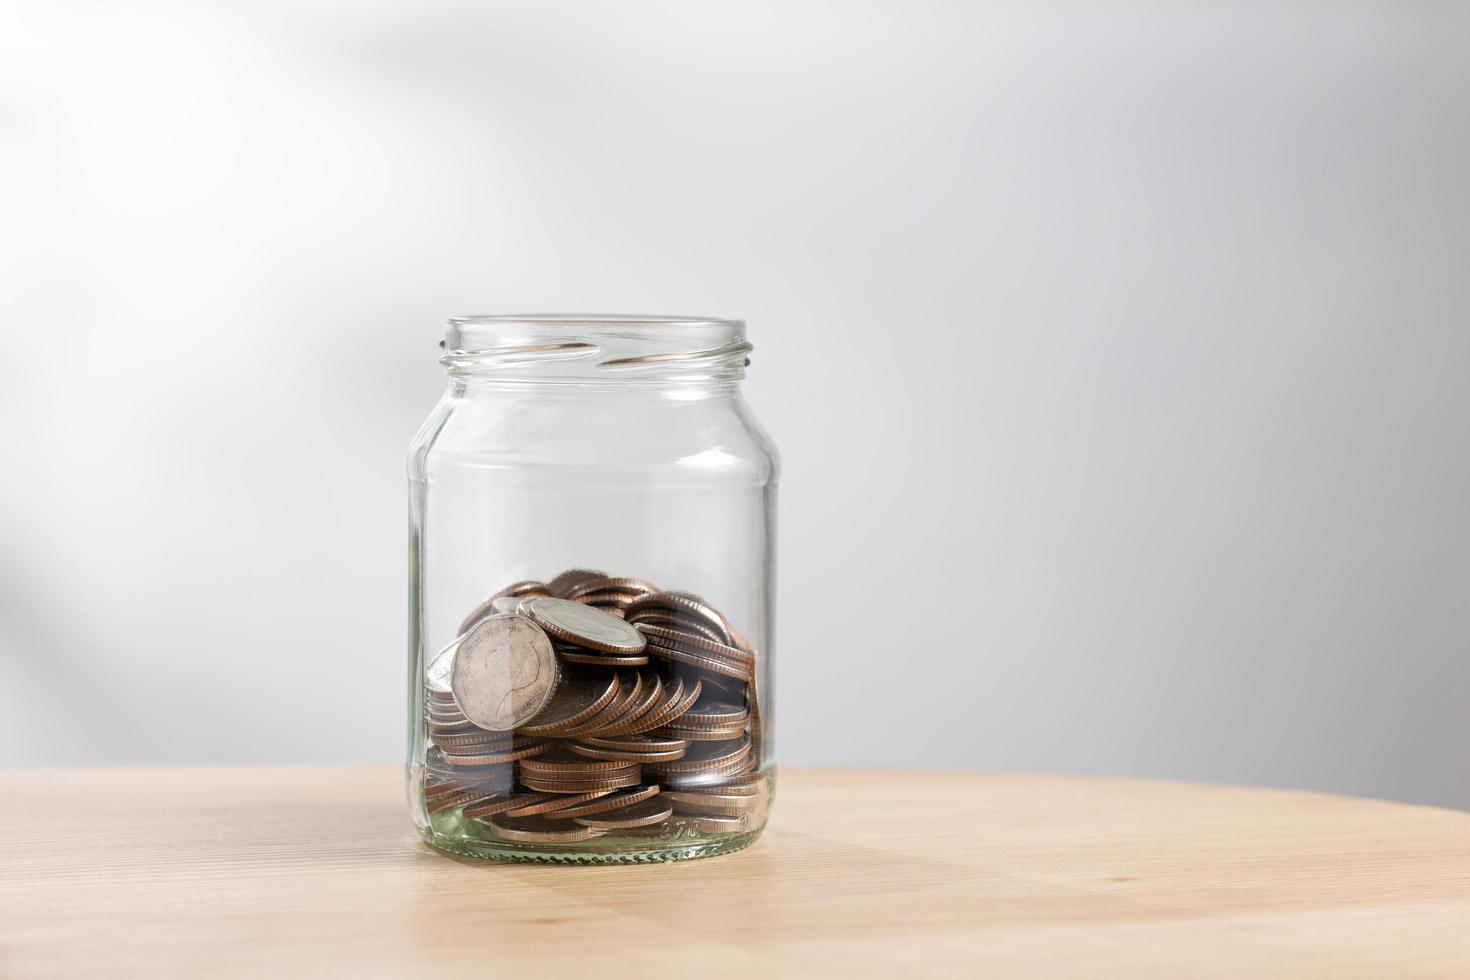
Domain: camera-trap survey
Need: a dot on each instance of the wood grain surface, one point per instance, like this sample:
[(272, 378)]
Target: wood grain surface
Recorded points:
[(285, 872)]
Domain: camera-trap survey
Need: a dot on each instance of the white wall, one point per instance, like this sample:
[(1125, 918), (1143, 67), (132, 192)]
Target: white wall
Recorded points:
[(1119, 356)]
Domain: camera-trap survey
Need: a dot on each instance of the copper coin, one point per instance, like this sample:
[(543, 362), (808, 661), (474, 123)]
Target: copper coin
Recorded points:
[(737, 671), (553, 801), (709, 756), (650, 811), (652, 696), (635, 586), (662, 617), (575, 701), (699, 734), (687, 605), (451, 800), (585, 626), (694, 643), (713, 803), (500, 804), (539, 830), (630, 687), (610, 801), (635, 743), (504, 672), (594, 659), (560, 762), (521, 754), (587, 785), (670, 710), (593, 752), (571, 578)]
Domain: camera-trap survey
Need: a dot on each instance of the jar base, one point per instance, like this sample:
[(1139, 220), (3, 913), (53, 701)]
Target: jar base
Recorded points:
[(562, 854)]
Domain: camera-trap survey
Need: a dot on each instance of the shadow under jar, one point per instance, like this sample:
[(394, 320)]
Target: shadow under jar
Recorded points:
[(592, 510)]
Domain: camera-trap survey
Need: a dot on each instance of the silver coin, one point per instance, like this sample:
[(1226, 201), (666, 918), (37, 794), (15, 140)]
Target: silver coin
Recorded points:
[(507, 605), (504, 672), (441, 665), (585, 625)]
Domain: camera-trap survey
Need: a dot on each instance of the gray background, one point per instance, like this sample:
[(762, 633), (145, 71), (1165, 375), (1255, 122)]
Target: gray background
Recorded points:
[(1118, 353)]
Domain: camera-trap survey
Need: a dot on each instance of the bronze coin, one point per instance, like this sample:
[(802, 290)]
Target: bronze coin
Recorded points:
[(573, 703), (635, 743), (694, 643), (652, 696), (570, 579), (699, 734), (687, 605), (610, 801), (552, 801), (594, 659), (709, 756), (713, 713), (736, 671), (451, 800), (561, 763), (581, 785), (712, 803), (629, 689), (662, 617), (650, 811), (521, 754), (593, 752), (539, 830), (500, 804), (671, 709), (635, 586)]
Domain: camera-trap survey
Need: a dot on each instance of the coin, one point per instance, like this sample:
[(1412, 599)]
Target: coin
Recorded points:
[(611, 801), (594, 752), (436, 674), (477, 736), (561, 762), (539, 830), (576, 700), (715, 714), (671, 709), (596, 659), (641, 814), (683, 604), (671, 620), (699, 734), (709, 756), (712, 803), (580, 785), (635, 743), (508, 605), (633, 586), (451, 800), (500, 804), (494, 758), (504, 673), (653, 694), (694, 643), (570, 579), (585, 626), (738, 672), (552, 801)]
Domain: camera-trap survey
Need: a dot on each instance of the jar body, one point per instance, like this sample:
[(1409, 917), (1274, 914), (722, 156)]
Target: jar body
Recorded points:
[(648, 499)]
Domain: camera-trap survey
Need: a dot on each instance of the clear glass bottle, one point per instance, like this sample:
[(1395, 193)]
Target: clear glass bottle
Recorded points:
[(592, 510)]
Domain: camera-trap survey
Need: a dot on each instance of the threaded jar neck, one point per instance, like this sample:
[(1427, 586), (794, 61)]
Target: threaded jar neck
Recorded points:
[(590, 349)]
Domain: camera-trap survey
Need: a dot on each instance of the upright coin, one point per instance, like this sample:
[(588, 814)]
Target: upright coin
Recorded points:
[(585, 626), (570, 579), (504, 672)]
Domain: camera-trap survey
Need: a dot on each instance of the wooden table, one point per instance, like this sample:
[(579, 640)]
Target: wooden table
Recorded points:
[(284, 872)]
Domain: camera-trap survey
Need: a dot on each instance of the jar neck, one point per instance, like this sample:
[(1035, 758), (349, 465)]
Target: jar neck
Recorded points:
[(644, 353)]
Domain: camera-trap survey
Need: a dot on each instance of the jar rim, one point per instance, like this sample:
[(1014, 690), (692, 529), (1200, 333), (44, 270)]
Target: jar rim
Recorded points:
[(588, 347)]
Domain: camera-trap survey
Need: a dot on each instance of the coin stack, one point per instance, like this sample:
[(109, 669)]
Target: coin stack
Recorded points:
[(592, 704)]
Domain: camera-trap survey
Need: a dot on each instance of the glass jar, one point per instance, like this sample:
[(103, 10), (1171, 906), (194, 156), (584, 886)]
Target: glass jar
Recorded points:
[(592, 554)]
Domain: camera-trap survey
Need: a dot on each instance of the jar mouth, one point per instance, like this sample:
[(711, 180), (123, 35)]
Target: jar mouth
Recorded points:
[(586, 348)]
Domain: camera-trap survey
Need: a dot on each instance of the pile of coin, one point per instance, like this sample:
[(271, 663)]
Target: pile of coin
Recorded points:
[(593, 704)]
